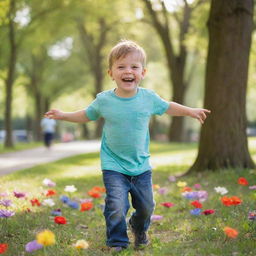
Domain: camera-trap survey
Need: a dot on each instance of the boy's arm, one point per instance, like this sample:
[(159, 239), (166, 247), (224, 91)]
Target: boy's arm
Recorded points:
[(76, 117), (176, 109)]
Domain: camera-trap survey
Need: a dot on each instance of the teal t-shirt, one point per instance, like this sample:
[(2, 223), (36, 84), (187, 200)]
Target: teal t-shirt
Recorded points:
[(125, 136)]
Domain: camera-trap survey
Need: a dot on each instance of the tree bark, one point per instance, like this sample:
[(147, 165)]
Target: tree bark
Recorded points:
[(223, 140), (10, 78)]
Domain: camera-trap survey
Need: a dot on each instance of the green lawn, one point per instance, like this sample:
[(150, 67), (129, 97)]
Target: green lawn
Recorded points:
[(20, 146), (178, 233)]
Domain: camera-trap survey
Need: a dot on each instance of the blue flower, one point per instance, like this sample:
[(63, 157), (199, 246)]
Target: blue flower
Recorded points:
[(196, 211), (64, 199), (73, 204)]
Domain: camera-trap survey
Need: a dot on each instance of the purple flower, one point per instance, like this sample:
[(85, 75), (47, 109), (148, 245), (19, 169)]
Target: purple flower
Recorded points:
[(6, 213), (195, 211), (33, 246), (202, 195), (190, 195), (252, 187), (73, 204), (162, 191), (6, 202), (197, 186), (252, 215), (19, 194), (172, 178), (156, 217), (56, 212), (3, 194), (64, 199)]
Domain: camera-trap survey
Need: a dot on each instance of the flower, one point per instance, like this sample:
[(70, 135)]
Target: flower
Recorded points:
[(3, 194), (60, 220), (221, 190), (19, 194), (155, 186), (33, 246), (50, 192), (49, 183), (208, 212), (202, 195), (188, 189), (252, 187), (86, 206), (6, 213), (196, 204), (190, 195), (93, 193), (252, 215), (3, 248), (197, 186), (167, 204), (181, 184), (81, 244), (64, 199), (195, 211), (156, 217), (226, 200), (99, 189), (230, 232), (35, 202), (236, 200), (6, 202), (48, 202), (162, 191), (56, 212), (243, 181), (172, 178), (70, 188), (73, 204), (46, 237)]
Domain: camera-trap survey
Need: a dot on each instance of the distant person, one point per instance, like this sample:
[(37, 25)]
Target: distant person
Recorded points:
[(125, 142), (48, 127)]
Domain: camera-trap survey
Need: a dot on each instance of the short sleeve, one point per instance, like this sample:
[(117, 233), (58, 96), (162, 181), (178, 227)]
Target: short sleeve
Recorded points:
[(93, 110), (160, 105)]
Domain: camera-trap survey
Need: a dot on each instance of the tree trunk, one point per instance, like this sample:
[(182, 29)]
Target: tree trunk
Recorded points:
[(223, 141), (10, 79)]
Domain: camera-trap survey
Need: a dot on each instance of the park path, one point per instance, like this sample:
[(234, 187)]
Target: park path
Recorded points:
[(11, 162)]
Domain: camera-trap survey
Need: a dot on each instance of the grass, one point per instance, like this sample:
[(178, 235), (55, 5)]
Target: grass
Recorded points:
[(178, 233), (19, 146)]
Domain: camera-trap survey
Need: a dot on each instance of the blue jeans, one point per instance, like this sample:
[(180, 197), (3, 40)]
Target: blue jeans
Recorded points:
[(118, 186)]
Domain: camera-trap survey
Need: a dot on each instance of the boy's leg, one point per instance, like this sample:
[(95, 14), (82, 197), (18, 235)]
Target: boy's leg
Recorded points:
[(116, 208), (143, 203)]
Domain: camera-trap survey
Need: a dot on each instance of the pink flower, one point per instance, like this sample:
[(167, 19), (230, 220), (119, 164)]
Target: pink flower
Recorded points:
[(19, 194), (156, 217)]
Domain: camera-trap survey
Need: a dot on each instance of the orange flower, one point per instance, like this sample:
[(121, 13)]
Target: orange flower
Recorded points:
[(86, 206), (236, 200), (99, 189), (186, 189), (3, 248), (50, 192), (230, 232), (226, 201), (94, 194), (35, 201), (243, 181), (60, 220), (155, 186)]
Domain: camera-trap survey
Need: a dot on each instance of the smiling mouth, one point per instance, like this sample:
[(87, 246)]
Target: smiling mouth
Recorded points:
[(128, 80)]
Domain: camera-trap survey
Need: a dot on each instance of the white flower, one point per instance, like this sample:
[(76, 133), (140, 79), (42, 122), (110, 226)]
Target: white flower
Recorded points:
[(70, 188), (221, 190), (48, 202), (49, 183)]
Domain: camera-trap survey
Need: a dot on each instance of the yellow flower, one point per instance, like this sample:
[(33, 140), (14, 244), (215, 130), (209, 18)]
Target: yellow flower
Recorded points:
[(45, 238), (181, 184), (81, 244)]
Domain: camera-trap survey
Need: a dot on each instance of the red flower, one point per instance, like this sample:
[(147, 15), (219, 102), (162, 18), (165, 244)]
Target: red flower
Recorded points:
[(51, 192), (60, 220), (236, 200), (35, 202), (208, 212), (243, 181), (196, 204), (99, 189), (167, 204), (230, 232), (3, 248), (186, 189), (86, 206)]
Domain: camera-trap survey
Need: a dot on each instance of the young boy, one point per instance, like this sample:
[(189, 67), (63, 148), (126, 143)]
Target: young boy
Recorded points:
[(125, 142)]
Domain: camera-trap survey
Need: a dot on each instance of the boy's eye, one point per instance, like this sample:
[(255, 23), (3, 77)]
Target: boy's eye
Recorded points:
[(134, 67), (120, 67)]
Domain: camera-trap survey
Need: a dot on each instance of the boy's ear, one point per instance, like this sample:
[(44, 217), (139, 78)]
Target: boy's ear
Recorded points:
[(110, 73), (144, 71)]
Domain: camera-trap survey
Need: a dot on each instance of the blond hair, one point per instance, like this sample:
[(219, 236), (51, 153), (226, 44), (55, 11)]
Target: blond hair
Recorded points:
[(123, 48)]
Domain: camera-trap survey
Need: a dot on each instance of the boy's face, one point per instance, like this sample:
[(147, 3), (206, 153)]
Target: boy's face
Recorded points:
[(127, 72)]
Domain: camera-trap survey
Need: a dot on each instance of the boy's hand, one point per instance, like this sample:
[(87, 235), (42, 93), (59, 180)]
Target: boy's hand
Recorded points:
[(54, 114), (199, 113)]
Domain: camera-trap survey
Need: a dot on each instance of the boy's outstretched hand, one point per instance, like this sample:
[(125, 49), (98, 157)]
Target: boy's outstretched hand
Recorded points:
[(54, 114), (199, 113)]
